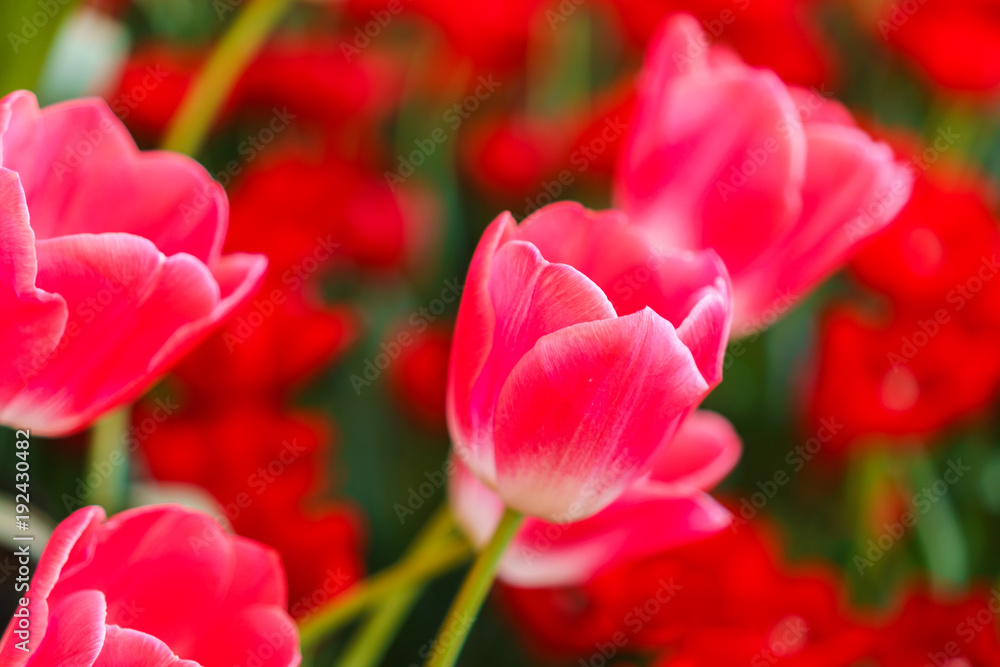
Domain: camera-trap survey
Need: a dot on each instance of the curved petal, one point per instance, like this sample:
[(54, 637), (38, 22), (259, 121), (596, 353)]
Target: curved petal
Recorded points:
[(82, 172), (129, 648), (584, 411), (531, 298), (647, 519), (705, 449), (126, 301), (238, 276), (853, 189), (50, 566), (134, 312), (625, 262), (150, 563), (262, 635), (643, 522), (34, 320), (75, 632), (688, 157), (473, 342)]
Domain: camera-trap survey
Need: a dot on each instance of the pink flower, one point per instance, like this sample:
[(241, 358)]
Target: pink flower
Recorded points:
[(579, 349), (110, 263), (778, 180), (159, 586), (665, 510)]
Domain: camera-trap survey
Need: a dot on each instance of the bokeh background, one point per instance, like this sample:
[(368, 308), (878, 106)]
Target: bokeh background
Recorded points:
[(365, 149)]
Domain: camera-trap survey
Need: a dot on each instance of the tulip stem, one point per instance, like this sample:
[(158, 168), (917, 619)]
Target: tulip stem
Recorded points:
[(371, 642), (217, 78), (465, 608), (345, 607), (108, 460)]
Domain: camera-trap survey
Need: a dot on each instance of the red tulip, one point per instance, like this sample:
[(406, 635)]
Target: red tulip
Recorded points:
[(578, 351), (895, 374), (154, 586), (664, 510), (956, 43), (777, 180), (111, 261), (960, 633), (776, 34)]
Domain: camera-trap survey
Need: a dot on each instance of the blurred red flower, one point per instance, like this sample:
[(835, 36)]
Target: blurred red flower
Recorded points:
[(722, 601), (418, 379), (963, 633), (899, 378), (305, 77), (492, 34), (777, 34), (895, 374), (956, 43)]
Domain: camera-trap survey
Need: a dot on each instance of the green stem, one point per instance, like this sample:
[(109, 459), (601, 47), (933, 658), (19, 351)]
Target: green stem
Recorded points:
[(108, 459), (348, 605), (372, 641), (939, 530), (465, 608), (218, 77)]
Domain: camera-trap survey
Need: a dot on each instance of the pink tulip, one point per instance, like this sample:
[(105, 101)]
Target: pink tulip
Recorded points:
[(579, 349), (659, 512), (778, 180), (153, 587), (110, 263)]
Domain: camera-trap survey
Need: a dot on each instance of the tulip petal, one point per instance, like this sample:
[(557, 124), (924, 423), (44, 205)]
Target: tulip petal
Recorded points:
[(130, 648), (647, 519), (34, 319), (50, 567), (689, 157), (853, 189), (259, 635), (643, 522), (702, 453), (132, 310), (584, 411), (688, 289), (472, 344), (75, 633), (127, 300), (82, 173)]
